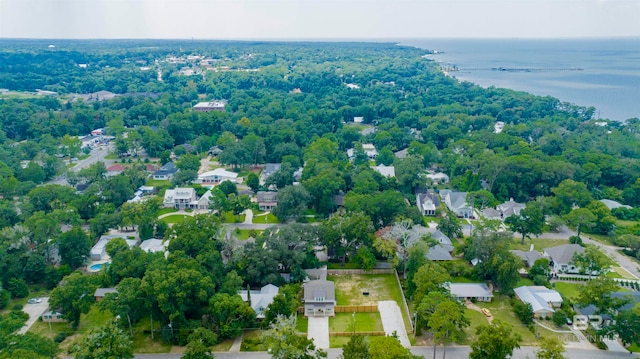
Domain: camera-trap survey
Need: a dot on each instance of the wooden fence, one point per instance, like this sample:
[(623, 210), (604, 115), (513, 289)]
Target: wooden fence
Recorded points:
[(356, 308), (358, 271)]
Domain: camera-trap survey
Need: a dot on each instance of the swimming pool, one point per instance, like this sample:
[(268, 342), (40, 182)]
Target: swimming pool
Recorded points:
[(96, 267)]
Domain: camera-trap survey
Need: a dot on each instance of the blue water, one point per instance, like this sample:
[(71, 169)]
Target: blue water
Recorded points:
[(98, 266), (609, 79)]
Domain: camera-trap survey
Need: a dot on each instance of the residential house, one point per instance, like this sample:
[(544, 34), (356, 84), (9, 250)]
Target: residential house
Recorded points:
[(611, 204), (52, 317), (165, 172), (529, 257), (319, 298), (438, 177), (510, 208), (267, 200), (368, 148), (456, 202), (259, 300), (358, 119), (216, 105), (542, 299), (185, 198), (215, 151), (401, 153), (269, 169), (634, 298), (115, 170), (562, 256), (99, 252), (216, 176), (427, 203), (443, 248), (338, 199), (386, 171), (101, 292), (154, 245), (470, 292)]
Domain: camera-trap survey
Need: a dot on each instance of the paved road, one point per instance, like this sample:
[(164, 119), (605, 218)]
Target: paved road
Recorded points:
[(457, 352), (97, 154), (34, 311)]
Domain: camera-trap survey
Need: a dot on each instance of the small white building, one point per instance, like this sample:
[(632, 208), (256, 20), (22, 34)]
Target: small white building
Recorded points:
[(470, 291), (154, 245), (216, 176), (387, 171), (438, 177), (99, 251)]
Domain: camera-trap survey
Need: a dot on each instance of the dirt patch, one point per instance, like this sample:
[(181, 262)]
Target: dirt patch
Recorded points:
[(207, 164), (350, 289)]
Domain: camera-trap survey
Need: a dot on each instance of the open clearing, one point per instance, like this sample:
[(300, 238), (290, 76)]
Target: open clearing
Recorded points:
[(349, 288)]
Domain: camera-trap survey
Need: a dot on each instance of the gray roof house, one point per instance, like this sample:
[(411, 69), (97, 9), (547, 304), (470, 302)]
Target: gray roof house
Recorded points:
[(542, 299), (269, 169), (457, 203), (319, 298), (165, 172), (529, 258), (611, 204), (260, 299), (427, 203), (562, 256), (101, 292), (591, 309), (267, 200), (469, 291), (510, 208)]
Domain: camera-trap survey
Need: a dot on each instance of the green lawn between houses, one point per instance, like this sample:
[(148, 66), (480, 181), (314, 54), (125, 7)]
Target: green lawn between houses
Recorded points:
[(364, 322)]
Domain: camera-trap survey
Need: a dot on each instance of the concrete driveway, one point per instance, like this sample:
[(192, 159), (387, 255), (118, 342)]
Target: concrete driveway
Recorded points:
[(318, 331), (392, 321), (34, 311)]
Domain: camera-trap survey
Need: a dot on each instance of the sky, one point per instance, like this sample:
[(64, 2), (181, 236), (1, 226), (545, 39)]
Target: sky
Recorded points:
[(318, 19)]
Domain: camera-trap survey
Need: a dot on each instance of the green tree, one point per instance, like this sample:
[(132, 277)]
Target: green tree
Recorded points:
[(285, 303), (253, 181), (283, 341), (292, 201), (388, 347), (431, 277), (365, 258), (495, 341), (228, 187), (70, 145), (449, 225), (356, 348), (344, 233), (570, 193), (385, 156), (107, 341), (627, 325), (448, 323), (188, 162), (199, 344), (229, 315), (540, 267), (529, 221), (580, 218), (74, 247), (523, 311), (550, 348), (73, 297), (604, 221), (597, 292), (591, 261), (559, 317), (183, 177)]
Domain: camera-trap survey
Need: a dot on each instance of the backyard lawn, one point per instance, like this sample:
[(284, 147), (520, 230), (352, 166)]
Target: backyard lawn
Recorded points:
[(244, 234), (568, 290), (364, 322), (349, 290), (142, 342), (162, 211)]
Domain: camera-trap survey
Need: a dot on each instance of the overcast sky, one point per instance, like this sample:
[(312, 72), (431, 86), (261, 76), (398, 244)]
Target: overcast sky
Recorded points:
[(318, 19)]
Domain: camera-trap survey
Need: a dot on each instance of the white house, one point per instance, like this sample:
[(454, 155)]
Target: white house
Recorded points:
[(427, 203), (99, 252), (470, 291), (457, 203), (216, 176), (260, 299), (438, 177), (562, 256), (387, 171), (542, 299), (185, 198), (154, 245)]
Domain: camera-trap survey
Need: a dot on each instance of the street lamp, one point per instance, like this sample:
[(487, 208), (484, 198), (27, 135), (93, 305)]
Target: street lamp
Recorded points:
[(353, 315)]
